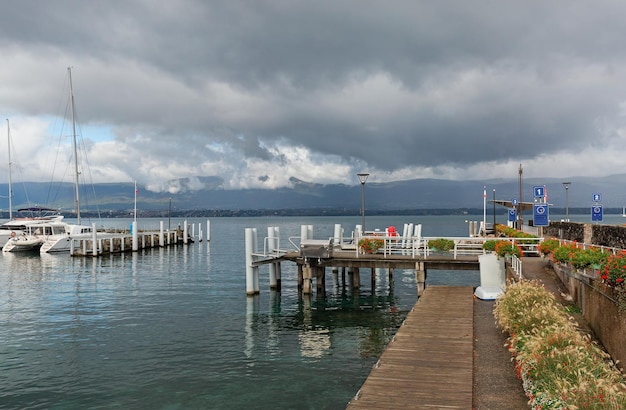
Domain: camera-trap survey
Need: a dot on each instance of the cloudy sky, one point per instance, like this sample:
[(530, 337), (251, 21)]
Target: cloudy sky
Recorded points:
[(259, 91)]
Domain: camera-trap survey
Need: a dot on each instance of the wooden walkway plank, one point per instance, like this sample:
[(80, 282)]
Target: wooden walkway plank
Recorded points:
[(429, 362)]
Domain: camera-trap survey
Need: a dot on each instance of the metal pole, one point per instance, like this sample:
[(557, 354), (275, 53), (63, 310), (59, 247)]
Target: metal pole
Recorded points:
[(520, 224), (363, 206), (494, 211), (566, 185), (362, 178)]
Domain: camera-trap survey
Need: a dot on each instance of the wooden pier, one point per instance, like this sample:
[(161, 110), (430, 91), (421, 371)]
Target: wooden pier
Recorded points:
[(310, 269), (428, 363), (99, 243)]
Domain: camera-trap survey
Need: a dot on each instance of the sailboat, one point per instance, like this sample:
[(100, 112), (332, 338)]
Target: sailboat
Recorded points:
[(54, 235), (16, 227)]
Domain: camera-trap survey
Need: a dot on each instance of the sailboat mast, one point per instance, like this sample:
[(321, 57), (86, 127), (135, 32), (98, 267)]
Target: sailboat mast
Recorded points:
[(10, 177), (76, 173)]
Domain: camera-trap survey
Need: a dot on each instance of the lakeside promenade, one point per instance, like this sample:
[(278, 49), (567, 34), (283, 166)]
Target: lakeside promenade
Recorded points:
[(428, 371)]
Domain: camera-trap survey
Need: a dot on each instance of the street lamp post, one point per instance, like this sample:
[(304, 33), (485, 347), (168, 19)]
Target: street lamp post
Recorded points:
[(362, 179), (566, 186), (494, 211)]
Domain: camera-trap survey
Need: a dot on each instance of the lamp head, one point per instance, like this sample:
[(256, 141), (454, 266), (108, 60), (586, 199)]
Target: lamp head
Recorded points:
[(362, 177)]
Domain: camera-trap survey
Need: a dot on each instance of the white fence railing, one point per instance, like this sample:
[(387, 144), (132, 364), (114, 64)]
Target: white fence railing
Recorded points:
[(463, 246)]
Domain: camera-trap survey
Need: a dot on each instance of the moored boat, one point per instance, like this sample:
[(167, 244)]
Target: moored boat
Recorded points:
[(28, 216)]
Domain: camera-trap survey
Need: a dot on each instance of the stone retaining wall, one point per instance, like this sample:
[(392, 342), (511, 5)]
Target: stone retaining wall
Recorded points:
[(596, 301), (602, 235), (599, 309)]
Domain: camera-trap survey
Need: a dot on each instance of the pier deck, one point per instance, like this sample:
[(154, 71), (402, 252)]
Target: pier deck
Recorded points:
[(429, 362)]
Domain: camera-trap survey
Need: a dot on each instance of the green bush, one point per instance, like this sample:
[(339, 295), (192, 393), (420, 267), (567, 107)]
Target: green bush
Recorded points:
[(441, 244), (490, 245)]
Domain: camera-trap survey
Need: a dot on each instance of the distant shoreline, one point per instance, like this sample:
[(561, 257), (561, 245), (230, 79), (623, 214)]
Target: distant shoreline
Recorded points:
[(220, 213)]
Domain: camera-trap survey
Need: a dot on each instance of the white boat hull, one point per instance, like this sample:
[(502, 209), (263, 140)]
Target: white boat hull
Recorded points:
[(22, 244)]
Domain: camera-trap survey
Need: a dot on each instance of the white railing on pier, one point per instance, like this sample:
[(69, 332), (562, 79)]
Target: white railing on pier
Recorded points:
[(463, 246), (516, 265)]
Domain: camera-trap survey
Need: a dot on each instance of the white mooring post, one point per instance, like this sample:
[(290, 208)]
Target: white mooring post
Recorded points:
[(133, 226), (199, 232), (94, 239), (252, 278), (255, 246), (208, 230), (277, 264), (271, 247), (185, 232), (161, 238), (193, 231)]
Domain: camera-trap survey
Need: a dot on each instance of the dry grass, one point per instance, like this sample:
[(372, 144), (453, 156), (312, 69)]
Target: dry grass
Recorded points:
[(560, 368)]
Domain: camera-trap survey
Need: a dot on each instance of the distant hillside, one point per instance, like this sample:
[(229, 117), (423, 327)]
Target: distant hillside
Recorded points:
[(398, 195)]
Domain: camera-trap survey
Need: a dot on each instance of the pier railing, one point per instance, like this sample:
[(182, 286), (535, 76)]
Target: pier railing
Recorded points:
[(463, 246)]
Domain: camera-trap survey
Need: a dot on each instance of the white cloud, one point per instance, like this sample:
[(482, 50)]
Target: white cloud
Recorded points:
[(257, 94)]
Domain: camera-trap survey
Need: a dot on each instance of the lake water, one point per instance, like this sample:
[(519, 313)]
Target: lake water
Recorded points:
[(173, 328)]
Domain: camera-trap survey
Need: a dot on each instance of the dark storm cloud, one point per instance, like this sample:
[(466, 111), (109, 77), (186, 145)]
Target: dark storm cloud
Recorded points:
[(392, 85)]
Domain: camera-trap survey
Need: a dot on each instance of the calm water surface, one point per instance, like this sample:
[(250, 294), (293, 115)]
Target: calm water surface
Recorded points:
[(173, 328)]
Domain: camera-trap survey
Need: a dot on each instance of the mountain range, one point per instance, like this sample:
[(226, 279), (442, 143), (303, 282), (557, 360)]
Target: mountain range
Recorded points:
[(206, 193)]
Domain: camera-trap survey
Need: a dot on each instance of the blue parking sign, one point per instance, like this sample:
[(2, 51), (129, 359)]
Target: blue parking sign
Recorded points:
[(539, 191), (597, 197), (596, 213), (512, 215), (540, 215)]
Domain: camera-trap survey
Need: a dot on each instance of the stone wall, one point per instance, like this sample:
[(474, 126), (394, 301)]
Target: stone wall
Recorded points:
[(602, 235), (599, 309), (595, 300)]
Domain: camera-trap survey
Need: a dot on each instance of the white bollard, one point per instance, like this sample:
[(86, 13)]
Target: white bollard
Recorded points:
[(208, 230), (277, 264), (199, 232), (271, 247), (135, 242), (255, 246), (94, 239), (185, 232), (249, 245), (161, 238)]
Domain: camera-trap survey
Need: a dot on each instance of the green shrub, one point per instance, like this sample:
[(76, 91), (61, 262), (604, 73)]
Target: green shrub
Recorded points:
[(490, 245), (441, 244)]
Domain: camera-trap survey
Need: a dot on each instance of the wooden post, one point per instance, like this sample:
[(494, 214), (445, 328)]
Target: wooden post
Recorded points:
[(356, 279), (420, 277), (306, 277), (300, 277), (320, 279)]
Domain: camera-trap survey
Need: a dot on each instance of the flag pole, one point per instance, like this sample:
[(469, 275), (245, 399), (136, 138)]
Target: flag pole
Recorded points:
[(484, 211), (135, 219)]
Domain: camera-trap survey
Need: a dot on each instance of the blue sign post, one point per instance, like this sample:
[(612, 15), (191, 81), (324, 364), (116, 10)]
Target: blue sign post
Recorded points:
[(539, 191), (540, 215), (596, 213), (512, 215)]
